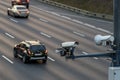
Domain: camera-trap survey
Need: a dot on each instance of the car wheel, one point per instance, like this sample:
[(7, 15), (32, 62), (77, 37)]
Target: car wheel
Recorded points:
[(26, 17), (27, 6), (44, 61), (24, 59), (15, 53), (14, 15), (8, 13)]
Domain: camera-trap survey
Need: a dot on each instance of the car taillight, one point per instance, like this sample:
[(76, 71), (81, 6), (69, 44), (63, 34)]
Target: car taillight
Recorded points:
[(18, 1), (18, 12), (46, 51), (28, 1), (29, 52), (27, 11)]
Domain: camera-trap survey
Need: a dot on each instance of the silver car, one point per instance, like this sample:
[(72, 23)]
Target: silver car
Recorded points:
[(18, 11)]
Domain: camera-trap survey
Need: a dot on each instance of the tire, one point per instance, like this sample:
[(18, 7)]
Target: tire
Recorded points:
[(15, 54), (8, 13), (26, 17), (44, 61), (24, 59), (27, 6), (14, 15)]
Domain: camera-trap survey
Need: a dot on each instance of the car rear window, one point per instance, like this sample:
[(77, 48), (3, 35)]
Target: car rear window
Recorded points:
[(19, 8), (37, 47)]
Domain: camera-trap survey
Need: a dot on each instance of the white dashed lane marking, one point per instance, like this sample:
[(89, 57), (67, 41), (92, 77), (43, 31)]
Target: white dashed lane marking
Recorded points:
[(44, 34), (9, 35), (7, 59), (79, 34), (51, 59), (14, 20), (43, 20), (85, 53)]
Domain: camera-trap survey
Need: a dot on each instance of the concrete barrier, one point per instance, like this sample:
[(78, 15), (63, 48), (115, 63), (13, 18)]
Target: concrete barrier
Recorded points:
[(77, 10)]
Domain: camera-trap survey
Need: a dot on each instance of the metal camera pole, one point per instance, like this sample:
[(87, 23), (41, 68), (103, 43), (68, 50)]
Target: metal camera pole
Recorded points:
[(116, 58)]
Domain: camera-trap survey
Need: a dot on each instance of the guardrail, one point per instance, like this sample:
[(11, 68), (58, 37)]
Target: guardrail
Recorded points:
[(77, 10)]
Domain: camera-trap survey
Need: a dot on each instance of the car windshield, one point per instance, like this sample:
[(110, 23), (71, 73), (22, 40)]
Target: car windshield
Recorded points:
[(37, 47), (21, 8)]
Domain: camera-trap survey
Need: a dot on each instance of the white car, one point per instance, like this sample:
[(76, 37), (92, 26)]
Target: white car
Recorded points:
[(18, 11)]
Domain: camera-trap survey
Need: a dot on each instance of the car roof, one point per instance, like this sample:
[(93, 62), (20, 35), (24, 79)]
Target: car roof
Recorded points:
[(30, 43)]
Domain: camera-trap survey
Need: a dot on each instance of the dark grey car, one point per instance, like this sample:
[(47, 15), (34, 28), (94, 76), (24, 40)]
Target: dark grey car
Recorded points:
[(30, 50)]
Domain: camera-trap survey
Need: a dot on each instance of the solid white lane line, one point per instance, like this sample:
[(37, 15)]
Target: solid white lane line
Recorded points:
[(77, 33), (7, 59), (51, 59), (92, 26), (55, 14), (45, 34), (45, 11), (66, 17), (14, 20), (9, 35), (77, 21), (89, 25), (100, 29)]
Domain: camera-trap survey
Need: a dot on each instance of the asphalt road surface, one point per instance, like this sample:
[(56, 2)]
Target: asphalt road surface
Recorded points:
[(52, 26)]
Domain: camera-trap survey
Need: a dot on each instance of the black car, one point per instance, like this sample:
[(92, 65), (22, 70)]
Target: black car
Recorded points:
[(30, 50), (20, 2)]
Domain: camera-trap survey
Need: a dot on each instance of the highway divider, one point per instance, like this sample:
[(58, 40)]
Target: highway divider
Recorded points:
[(77, 10)]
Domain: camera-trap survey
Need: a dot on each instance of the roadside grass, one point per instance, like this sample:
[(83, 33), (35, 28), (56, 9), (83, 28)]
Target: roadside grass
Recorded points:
[(97, 6)]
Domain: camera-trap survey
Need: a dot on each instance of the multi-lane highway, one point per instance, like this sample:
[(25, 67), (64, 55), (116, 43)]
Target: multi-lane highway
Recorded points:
[(52, 26)]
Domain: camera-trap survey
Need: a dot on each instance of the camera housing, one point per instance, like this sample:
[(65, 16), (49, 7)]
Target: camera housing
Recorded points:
[(70, 44), (104, 40)]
